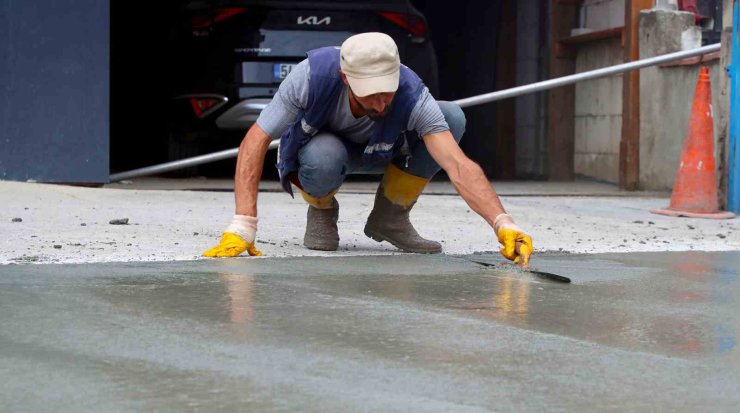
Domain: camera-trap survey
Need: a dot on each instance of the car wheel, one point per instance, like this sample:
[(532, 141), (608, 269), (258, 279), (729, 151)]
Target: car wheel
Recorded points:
[(182, 145)]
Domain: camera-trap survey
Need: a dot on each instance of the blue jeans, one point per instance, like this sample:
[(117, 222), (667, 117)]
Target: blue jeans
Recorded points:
[(326, 160)]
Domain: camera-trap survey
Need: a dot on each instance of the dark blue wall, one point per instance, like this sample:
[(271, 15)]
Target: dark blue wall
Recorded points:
[(54, 77)]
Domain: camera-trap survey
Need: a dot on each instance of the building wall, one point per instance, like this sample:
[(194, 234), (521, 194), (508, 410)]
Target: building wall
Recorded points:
[(54, 71), (598, 107), (665, 111), (602, 14), (666, 96), (598, 113)]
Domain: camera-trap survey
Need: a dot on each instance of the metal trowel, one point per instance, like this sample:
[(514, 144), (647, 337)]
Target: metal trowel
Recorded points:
[(536, 273)]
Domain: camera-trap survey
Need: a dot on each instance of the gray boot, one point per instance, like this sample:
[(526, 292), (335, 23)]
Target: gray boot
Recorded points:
[(390, 222), (321, 228)]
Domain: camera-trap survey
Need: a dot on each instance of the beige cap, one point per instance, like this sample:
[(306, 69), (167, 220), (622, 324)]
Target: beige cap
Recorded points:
[(371, 63)]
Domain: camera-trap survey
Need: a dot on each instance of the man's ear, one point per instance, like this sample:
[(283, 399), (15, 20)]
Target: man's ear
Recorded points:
[(344, 77)]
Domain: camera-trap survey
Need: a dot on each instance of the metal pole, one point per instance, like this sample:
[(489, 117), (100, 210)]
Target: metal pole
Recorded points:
[(593, 74), (471, 101), (182, 164), (733, 182)]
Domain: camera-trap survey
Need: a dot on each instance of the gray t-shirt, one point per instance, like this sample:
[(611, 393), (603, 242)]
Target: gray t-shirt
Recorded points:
[(292, 97)]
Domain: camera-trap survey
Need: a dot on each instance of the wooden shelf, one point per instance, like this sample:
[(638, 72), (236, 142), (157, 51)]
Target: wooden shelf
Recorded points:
[(593, 36), (567, 47)]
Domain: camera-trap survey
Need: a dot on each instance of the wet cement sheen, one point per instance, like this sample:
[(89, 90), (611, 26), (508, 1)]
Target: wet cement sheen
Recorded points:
[(634, 332)]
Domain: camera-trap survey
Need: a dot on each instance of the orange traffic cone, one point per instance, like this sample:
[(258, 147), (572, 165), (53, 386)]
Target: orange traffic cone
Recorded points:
[(695, 189)]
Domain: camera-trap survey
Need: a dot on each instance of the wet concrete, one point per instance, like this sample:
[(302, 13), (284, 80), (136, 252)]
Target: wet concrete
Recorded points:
[(633, 332)]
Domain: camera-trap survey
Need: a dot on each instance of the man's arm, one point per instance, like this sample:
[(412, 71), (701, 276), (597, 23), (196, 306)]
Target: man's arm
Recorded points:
[(249, 164), (466, 176), (240, 234), (471, 183), (275, 119)]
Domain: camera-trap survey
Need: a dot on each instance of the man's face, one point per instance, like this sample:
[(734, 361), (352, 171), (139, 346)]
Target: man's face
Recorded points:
[(375, 106)]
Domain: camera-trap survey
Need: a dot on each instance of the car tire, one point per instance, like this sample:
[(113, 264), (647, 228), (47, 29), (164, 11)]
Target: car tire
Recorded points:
[(180, 146)]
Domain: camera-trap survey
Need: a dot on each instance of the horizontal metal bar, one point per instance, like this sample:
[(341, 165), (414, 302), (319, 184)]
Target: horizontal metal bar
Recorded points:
[(471, 101), (182, 164), (592, 74)]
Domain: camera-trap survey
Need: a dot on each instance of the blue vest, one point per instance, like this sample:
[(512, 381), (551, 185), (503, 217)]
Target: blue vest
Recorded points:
[(324, 89)]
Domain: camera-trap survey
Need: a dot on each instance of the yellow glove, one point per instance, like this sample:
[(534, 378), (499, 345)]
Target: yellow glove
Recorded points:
[(232, 245), (238, 237), (517, 244)]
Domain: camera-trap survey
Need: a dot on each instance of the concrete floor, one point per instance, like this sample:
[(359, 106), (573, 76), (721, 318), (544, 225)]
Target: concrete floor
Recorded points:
[(62, 224), (634, 332)]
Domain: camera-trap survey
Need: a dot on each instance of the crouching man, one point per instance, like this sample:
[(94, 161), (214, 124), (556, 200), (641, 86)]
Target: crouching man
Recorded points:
[(356, 109)]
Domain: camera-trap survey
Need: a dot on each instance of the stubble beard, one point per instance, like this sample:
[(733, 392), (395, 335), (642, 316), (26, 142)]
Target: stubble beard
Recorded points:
[(373, 114)]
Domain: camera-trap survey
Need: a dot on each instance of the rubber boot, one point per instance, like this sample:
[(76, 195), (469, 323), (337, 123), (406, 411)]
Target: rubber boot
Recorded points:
[(321, 223), (389, 219)]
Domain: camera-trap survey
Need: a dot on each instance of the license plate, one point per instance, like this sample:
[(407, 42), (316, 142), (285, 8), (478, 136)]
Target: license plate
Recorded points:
[(281, 70)]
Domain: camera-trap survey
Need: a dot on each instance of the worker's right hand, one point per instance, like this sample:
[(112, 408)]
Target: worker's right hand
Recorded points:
[(238, 237)]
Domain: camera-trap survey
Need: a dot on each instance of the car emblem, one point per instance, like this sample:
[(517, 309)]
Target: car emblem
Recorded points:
[(314, 20)]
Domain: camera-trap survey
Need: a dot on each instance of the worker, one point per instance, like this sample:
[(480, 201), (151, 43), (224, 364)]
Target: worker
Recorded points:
[(357, 109)]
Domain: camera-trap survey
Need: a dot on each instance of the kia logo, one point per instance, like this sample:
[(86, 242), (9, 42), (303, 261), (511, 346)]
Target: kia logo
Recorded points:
[(314, 20)]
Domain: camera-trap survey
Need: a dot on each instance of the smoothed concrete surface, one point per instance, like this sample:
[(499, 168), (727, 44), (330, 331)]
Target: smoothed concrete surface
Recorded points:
[(62, 224), (634, 332)]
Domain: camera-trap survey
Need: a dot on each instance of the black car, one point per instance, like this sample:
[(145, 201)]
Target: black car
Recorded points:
[(230, 57)]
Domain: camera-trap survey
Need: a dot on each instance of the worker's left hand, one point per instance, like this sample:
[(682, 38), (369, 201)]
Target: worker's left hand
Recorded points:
[(517, 245)]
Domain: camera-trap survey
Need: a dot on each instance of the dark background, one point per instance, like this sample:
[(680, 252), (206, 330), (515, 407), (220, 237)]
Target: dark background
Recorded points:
[(465, 39)]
